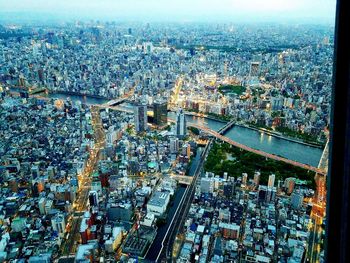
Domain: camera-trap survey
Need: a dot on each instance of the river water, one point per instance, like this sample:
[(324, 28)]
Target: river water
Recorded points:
[(261, 141), (254, 139)]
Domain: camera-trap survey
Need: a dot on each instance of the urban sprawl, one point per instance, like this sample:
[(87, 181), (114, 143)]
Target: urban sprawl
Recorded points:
[(106, 154)]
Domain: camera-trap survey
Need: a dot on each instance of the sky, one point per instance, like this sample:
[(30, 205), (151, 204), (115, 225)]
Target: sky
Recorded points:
[(317, 11)]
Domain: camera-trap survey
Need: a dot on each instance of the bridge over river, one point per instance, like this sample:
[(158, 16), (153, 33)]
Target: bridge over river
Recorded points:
[(218, 135)]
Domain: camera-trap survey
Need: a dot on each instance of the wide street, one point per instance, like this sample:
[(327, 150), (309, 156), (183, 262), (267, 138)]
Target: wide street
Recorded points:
[(81, 203)]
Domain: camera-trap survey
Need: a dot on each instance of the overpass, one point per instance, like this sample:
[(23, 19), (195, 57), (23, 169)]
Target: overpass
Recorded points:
[(117, 108), (183, 179), (324, 158)]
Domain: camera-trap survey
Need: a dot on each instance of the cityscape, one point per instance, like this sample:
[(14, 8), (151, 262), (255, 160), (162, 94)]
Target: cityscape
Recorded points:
[(164, 141)]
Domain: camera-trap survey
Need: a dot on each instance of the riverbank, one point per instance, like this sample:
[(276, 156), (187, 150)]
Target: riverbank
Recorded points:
[(275, 144), (269, 132), (60, 92), (73, 93), (281, 136), (226, 158), (205, 116)]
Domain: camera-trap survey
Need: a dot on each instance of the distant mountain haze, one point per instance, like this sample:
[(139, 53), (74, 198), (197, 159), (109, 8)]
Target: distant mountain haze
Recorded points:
[(296, 11)]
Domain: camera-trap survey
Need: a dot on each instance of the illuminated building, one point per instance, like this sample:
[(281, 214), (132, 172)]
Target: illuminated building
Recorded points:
[(256, 178), (271, 182)]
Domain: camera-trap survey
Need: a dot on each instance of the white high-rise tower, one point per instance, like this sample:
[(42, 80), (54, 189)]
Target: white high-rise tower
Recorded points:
[(180, 124)]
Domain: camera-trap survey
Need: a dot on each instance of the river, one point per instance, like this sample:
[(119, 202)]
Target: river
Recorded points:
[(262, 141), (252, 138)]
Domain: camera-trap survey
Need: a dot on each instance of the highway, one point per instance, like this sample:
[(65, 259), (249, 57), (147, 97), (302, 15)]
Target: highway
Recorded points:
[(158, 243), (162, 245), (180, 217), (318, 211)]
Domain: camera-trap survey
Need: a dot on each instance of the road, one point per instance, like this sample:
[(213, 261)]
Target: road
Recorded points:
[(185, 205), (81, 203), (318, 211), (177, 88), (319, 170), (166, 234), (162, 231)]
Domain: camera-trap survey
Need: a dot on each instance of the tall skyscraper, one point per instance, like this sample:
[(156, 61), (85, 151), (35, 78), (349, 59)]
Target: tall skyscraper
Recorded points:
[(140, 116), (160, 110), (93, 198), (271, 182), (174, 145), (180, 124)]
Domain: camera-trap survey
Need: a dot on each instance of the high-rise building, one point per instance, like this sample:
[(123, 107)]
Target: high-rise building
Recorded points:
[(244, 178), (256, 178), (41, 204), (266, 194), (148, 47), (180, 124), (297, 199), (276, 103), (160, 110), (58, 223), (271, 194), (207, 185), (174, 145), (271, 182), (35, 171), (188, 150), (229, 189), (289, 184), (93, 198), (140, 116)]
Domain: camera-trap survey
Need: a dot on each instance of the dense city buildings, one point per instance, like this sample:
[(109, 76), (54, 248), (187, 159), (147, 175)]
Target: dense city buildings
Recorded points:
[(111, 142)]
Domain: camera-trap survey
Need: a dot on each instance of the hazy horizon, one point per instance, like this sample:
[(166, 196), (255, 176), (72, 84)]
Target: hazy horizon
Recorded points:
[(297, 11)]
